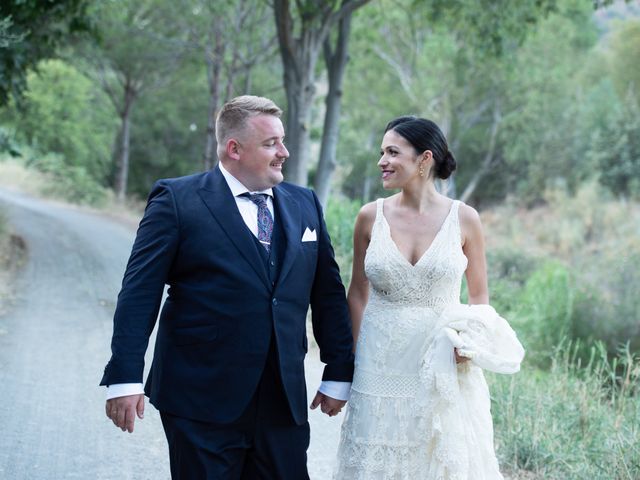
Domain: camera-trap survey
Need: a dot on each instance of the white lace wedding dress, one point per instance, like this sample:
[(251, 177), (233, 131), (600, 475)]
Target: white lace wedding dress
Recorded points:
[(412, 413)]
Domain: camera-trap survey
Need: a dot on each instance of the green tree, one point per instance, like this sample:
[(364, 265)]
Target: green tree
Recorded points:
[(137, 52), (232, 39), (66, 113), (437, 59), (624, 57), (616, 145), (168, 135), (33, 30), (541, 105)]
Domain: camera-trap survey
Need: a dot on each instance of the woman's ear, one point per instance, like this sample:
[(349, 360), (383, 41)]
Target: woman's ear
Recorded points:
[(426, 163)]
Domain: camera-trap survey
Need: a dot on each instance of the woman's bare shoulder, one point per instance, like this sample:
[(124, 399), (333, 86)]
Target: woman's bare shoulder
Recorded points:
[(365, 220), (368, 212), (470, 224), (468, 215)]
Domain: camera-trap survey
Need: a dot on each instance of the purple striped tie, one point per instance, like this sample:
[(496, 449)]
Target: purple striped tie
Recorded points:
[(265, 220)]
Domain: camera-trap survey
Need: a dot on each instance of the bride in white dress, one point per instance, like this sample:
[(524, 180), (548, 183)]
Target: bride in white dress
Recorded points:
[(413, 414)]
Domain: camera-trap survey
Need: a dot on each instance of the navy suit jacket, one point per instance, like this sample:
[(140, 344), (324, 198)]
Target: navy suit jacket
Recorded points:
[(216, 324)]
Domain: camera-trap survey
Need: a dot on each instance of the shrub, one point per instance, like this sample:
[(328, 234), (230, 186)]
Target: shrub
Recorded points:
[(66, 113), (607, 300), (545, 311), (571, 422), (340, 215), (508, 270), (69, 182), (8, 142)]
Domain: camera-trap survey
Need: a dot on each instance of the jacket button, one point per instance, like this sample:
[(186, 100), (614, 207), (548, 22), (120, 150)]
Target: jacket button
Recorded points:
[(274, 301)]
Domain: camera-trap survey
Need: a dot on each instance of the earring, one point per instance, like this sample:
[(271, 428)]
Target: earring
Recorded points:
[(421, 171)]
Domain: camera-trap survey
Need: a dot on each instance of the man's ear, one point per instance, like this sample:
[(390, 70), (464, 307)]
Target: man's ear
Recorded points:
[(232, 149)]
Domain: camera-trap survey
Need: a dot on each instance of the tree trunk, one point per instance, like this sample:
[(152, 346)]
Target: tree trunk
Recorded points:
[(452, 189), (299, 58), (366, 189), (247, 81), (299, 74), (214, 68), (209, 158), (336, 62), (122, 170)]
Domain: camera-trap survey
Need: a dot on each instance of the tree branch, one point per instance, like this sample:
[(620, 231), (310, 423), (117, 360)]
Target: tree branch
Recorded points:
[(489, 155)]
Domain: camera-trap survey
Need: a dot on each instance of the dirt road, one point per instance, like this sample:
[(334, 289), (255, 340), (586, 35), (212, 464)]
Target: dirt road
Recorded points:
[(54, 343)]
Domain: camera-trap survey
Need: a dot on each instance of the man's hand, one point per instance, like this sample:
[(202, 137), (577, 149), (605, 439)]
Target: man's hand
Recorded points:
[(460, 359), (328, 405), (122, 411)]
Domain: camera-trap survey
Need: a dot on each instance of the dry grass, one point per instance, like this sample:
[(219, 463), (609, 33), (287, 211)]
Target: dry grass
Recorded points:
[(15, 177), (12, 255), (568, 227), (574, 421)]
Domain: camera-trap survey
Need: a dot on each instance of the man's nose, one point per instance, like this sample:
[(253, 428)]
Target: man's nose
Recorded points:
[(283, 152)]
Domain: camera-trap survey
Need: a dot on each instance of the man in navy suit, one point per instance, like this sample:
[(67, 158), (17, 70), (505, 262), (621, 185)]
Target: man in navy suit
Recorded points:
[(244, 256)]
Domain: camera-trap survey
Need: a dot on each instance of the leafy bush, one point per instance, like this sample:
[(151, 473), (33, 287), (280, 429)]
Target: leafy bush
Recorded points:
[(545, 311), (594, 239), (508, 271), (8, 142), (340, 216), (607, 303), (66, 113)]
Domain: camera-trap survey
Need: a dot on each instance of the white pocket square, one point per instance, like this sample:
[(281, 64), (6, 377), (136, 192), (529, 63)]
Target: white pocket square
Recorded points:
[(309, 235)]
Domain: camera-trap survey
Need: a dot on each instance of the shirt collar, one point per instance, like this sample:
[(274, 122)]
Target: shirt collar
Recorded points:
[(236, 186)]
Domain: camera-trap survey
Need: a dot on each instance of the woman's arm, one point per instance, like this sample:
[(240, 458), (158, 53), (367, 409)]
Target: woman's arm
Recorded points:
[(473, 248), (359, 287)]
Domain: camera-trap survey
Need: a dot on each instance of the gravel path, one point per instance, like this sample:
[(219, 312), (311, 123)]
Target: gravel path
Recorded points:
[(54, 343)]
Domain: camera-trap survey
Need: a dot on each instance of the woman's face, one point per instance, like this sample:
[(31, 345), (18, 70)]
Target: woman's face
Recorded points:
[(398, 162)]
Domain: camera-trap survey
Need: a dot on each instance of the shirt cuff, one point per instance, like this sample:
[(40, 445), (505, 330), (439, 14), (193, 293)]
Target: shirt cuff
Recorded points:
[(337, 390), (123, 390)]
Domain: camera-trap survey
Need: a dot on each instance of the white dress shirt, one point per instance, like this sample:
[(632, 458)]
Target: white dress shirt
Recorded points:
[(249, 212)]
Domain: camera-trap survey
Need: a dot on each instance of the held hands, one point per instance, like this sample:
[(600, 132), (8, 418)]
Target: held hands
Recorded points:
[(122, 411), (328, 405)]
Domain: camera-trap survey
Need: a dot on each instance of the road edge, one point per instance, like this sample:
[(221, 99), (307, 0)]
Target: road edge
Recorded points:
[(13, 256)]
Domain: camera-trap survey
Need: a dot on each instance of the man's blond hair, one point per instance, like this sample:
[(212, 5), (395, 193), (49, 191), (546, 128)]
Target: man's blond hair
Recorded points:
[(233, 116)]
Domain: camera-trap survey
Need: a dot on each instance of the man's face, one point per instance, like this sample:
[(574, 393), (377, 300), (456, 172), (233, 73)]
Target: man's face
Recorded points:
[(261, 153)]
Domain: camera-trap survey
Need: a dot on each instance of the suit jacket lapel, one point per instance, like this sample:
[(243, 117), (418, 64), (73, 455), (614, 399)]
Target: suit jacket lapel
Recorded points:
[(217, 196), (288, 212)]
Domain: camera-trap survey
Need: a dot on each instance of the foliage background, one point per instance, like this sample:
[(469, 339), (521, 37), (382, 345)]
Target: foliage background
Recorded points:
[(540, 102)]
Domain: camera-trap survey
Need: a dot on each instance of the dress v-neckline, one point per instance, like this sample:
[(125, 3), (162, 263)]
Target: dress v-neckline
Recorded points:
[(435, 238)]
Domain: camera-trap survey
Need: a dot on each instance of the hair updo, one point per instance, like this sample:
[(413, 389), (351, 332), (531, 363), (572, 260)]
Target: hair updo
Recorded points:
[(424, 135)]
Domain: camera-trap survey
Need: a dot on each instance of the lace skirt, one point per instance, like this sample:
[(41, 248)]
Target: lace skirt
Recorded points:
[(382, 438), (404, 421)]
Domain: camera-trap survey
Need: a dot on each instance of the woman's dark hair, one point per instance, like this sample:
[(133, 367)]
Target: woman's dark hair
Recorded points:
[(424, 135)]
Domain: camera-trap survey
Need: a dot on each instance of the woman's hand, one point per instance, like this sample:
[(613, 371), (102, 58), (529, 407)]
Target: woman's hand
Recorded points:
[(459, 358)]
